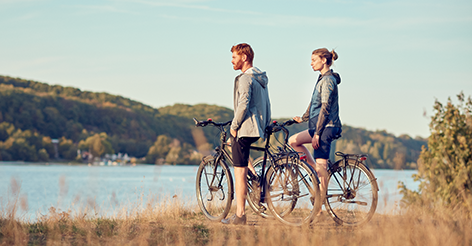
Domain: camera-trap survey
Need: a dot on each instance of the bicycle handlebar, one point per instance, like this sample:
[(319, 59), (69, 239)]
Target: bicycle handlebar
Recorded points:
[(275, 126), (272, 128), (210, 121)]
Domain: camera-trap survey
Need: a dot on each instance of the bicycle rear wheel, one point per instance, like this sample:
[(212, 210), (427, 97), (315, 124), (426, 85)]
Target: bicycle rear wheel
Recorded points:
[(214, 188), (292, 192), (352, 194), (254, 191)]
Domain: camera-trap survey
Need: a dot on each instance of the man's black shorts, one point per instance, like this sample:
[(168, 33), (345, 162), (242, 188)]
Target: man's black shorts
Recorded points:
[(240, 150)]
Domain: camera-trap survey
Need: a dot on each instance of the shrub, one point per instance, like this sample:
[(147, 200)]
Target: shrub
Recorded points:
[(445, 166)]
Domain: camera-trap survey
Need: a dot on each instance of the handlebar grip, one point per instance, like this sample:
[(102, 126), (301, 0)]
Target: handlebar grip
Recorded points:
[(199, 123), (290, 122)]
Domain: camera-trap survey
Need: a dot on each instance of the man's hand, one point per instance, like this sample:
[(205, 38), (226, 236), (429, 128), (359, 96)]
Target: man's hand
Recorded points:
[(233, 135), (315, 141)]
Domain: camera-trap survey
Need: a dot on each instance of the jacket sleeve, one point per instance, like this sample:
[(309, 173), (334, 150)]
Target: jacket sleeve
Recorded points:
[(327, 88), (306, 115), (242, 105)]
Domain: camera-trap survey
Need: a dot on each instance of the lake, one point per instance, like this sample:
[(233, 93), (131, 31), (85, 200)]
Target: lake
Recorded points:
[(108, 188)]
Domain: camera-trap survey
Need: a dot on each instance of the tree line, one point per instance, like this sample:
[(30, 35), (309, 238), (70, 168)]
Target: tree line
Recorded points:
[(33, 114)]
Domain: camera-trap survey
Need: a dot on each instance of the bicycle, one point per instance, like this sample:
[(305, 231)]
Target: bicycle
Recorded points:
[(352, 193), (289, 190)]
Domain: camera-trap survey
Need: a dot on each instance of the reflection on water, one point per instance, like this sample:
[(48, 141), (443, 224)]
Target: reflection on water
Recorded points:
[(107, 188)]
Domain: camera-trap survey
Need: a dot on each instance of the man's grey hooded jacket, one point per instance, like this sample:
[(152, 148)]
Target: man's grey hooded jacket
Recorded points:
[(251, 103)]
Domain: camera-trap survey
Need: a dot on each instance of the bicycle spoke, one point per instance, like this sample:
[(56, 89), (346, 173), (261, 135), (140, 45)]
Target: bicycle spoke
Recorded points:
[(290, 193), (351, 196), (213, 189)]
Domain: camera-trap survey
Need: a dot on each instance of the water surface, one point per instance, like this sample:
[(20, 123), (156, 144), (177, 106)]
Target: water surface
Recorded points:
[(107, 188)]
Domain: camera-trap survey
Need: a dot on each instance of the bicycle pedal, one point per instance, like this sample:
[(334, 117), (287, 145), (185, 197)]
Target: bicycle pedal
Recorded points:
[(252, 177)]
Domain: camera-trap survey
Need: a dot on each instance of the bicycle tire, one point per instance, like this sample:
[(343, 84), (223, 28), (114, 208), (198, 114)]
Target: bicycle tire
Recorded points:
[(292, 192), (253, 192), (354, 201), (214, 196)]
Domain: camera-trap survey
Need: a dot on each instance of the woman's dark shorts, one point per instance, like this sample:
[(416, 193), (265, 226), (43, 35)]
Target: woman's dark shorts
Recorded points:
[(240, 149), (329, 134)]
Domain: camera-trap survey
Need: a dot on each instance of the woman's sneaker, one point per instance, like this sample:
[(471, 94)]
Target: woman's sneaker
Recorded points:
[(235, 220)]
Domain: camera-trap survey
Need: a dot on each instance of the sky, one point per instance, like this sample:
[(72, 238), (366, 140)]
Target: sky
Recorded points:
[(395, 57)]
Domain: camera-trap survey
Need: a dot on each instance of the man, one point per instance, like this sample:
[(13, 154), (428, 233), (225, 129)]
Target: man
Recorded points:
[(251, 117)]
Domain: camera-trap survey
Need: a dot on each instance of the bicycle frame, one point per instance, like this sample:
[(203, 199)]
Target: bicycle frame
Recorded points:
[(277, 186), (223, 155)]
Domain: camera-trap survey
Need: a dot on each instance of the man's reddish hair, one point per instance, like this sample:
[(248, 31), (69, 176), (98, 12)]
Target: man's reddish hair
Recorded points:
[(244, 49)]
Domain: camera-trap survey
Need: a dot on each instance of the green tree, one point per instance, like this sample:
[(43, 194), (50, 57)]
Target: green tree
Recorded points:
[(97, 145), (189, 155), (67, 149), (22, 150), (43, 155), (445, 166), (159, 149), (174, 154)]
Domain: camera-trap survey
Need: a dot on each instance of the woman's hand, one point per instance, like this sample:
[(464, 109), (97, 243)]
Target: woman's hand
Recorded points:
[(315, 142), (298, 119)]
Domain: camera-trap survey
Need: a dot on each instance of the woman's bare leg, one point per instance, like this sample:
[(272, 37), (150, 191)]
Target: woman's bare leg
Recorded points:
[(297, 141), (322, 171)]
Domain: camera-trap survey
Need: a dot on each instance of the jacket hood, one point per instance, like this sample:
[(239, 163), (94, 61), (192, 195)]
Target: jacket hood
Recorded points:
[(258, 75), (335, 75)]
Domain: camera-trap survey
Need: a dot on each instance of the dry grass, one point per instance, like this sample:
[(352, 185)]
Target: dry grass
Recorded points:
[(173, 223)]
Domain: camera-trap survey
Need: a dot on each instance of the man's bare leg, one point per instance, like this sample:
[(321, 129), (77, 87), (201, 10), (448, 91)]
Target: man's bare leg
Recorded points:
[(240, 175)]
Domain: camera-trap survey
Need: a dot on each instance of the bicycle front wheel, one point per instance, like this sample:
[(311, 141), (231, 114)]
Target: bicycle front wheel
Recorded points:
[(352, 194), (292, 192), (214, 188)]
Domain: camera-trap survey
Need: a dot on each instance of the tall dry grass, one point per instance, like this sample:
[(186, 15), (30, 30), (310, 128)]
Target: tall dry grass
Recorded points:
[(172, 222), (175, 221)]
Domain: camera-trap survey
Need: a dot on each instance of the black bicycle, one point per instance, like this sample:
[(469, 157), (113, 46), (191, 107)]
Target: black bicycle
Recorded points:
[(285, 185), (352, 192)]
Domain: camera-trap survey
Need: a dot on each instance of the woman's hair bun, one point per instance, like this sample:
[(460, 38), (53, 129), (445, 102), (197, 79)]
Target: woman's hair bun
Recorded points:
[(334, 55)]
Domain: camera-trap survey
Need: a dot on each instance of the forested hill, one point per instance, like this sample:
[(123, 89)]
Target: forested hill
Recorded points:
[(65, 112), (34, 113)]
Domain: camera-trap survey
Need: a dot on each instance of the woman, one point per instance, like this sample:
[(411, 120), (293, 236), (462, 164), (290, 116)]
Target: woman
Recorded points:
[(322, 115)]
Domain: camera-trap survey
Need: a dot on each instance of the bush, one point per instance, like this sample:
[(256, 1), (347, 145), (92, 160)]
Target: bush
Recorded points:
[(445, 167)]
